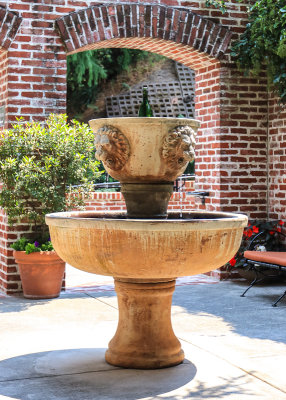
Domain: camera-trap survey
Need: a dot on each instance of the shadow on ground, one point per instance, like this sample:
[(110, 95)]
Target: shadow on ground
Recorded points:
[(84, 374)]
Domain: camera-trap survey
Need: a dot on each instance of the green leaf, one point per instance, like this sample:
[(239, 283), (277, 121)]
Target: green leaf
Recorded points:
[(263, 43)]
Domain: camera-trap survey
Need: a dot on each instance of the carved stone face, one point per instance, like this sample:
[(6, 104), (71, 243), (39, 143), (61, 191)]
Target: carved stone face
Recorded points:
[(112, 147), (178, 146)]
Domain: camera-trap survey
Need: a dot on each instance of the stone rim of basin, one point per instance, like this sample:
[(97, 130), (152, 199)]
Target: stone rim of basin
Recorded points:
[(194, 122), (90, 217)]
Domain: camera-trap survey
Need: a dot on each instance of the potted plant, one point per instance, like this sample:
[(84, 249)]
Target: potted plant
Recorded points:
[(44, 167)]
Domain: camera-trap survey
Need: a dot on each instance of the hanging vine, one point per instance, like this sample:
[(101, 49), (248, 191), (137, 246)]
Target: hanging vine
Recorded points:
[(263, 43)]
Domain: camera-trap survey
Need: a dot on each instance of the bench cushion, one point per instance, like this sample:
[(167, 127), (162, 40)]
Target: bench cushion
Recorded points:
[(271, 257)]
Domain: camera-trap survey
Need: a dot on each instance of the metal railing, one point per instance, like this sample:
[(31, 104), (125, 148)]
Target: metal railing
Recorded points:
[(178, 186)]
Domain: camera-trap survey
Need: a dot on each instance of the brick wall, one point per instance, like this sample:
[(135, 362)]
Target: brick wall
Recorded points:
[(9, 275), (243, 139), (37, 63), (207, 108), (277, 160)]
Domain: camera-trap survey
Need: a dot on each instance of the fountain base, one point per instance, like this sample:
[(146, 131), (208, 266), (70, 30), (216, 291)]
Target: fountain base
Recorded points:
[(144, 338)]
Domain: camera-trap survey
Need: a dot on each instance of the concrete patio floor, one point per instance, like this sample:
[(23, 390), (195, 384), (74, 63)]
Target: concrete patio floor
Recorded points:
[(235, 347)]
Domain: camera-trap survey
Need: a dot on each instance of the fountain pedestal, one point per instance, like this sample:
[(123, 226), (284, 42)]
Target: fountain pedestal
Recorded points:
[(144, 336), (147, 200)]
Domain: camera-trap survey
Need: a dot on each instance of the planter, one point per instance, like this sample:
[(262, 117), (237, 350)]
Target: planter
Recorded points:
[(145, 150), (41, 274)]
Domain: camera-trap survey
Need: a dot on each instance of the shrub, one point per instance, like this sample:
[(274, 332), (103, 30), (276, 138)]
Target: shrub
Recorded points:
[(40, 164)]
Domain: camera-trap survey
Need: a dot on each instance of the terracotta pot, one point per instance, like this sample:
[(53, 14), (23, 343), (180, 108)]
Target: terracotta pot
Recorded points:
[(41, 274)]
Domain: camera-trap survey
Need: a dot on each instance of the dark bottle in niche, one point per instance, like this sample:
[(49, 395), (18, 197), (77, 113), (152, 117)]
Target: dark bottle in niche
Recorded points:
[(145, 110)]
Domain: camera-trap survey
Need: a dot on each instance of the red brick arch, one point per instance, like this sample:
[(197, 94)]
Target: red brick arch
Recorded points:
[(189, 35), (9, 24)]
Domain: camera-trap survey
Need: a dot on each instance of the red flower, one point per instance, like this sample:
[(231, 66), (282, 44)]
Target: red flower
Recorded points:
[(255, 229), (281, 222), (248, 232), (232, 262), (278, 229), (272, 232)]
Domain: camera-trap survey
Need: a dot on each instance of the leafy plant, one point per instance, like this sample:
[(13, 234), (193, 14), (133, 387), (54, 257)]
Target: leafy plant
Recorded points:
[(263, 43), (220, 4), (84, 71), (39, 166), (88, 70), (29, 247)]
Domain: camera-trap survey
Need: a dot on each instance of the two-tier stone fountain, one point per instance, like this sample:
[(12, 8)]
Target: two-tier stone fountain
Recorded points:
[(145, 250)]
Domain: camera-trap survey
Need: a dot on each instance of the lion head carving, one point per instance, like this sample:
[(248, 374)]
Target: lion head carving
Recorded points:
[(179, 146), (112, 147)]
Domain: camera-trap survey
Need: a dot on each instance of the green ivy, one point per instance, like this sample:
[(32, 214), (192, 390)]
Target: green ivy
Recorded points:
[(263, 43), (220, 4)]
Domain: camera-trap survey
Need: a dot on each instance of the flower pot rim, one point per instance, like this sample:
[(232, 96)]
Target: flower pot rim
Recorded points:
[(38, 256)]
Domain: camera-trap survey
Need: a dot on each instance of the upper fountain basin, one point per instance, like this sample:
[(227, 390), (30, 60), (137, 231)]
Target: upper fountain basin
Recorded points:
[(111, 244), (145, 149)]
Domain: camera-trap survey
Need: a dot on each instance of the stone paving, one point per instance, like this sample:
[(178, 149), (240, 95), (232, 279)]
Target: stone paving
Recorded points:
[(235, 347)]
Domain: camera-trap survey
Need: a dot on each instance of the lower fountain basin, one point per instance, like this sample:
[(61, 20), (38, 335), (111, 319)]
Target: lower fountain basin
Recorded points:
[(145, 256), (146, 250)]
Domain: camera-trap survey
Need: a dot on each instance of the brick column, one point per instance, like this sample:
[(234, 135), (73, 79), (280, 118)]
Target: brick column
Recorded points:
[(9, 25), (37, 68)]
